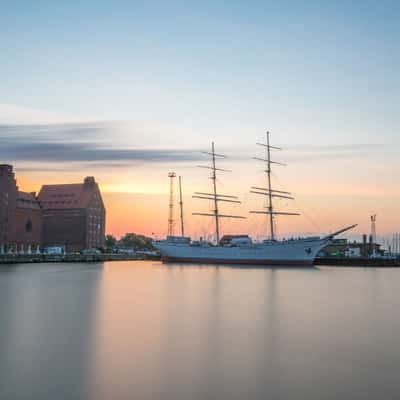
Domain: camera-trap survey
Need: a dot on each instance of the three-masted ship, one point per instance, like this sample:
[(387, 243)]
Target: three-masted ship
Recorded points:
[(241, 249)]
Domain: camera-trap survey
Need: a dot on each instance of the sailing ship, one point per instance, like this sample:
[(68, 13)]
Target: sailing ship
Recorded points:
[(240, 249)]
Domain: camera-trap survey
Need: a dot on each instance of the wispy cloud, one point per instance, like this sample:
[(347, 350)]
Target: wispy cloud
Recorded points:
[(96, 143), (62, 152), (76, 143), (53, 132), (339, 152), (318, 153)]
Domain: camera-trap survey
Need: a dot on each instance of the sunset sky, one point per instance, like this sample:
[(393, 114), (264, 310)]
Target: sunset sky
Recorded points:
[(127, 91)]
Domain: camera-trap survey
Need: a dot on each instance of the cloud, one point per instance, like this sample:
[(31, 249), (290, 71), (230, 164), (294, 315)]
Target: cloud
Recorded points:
[(76, 143), (61, 152), (54, 132), (97, 142), (339, 152), (313, 153)]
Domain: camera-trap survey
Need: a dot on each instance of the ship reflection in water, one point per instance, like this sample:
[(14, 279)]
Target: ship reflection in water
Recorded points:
[(141, 330)]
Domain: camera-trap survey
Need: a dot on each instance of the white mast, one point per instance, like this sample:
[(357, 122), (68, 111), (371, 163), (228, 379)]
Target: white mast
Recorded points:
[(268, 191), (214, 179), (181, 206), (215, 196), (271, 217), (171, 176)]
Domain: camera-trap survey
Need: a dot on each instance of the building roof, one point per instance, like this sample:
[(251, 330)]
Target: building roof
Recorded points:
[(229, 237), (67, 196), (27, 200), (6, 169)]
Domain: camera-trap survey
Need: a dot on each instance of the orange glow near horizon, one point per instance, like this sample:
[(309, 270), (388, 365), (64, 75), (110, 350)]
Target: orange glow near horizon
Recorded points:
[(148, 213), (136, 200)]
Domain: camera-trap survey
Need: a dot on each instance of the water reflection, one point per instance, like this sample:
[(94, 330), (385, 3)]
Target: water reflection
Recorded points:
[(136, 330), (45, 330)]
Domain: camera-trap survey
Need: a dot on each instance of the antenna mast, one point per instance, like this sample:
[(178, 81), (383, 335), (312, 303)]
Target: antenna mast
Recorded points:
[(373, 228), (215, 196), (171, 176), (269, 191), (181, 206)]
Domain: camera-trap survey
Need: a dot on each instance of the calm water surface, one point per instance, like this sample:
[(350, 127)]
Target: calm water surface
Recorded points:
[(142, 330)]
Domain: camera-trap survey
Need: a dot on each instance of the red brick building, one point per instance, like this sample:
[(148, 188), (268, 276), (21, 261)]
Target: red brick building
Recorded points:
[(28, 221), (8, 204), (20, 215), (73, 215)]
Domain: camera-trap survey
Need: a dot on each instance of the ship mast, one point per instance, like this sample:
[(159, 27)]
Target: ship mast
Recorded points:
[(215, 196), (270, 207), (171, 176), (181, 206), (269, 191), (214, 179)]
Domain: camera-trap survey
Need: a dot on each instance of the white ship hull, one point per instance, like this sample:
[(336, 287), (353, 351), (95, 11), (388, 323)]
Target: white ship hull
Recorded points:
[(300, 252)]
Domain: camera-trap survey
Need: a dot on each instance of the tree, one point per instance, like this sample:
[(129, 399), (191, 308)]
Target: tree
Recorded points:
[(137, 242), (111, 242)]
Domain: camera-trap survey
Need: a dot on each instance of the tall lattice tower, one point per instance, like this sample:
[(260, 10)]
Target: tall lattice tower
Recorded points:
[(373, 228), (171, 176)]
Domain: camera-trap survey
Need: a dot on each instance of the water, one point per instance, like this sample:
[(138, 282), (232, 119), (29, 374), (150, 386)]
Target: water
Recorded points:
[(142, 330)]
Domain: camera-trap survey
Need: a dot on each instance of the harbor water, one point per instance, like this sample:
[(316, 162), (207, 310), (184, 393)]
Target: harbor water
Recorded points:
[(144, 330)]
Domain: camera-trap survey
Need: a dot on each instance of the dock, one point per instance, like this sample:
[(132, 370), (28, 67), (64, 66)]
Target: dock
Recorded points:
[(357, 262), (80, 258), (70, 258)]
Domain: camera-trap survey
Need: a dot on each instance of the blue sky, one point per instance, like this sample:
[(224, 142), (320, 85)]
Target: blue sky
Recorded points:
[(178, 74), (302, 68)]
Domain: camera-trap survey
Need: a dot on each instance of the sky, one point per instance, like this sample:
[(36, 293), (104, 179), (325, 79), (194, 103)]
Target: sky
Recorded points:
[(128, 91)]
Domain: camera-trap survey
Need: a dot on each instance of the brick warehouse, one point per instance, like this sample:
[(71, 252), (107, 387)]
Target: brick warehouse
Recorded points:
[(70, 215), (20, 215), (73, 215)]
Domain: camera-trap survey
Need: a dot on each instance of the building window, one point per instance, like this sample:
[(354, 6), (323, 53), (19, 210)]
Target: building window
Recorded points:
[(28, 226)]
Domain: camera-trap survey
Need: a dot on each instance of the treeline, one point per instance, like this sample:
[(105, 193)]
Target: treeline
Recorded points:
[(128, 241)]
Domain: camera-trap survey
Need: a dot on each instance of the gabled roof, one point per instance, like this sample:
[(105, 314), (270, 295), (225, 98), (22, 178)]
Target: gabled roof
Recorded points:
[(67, 196)]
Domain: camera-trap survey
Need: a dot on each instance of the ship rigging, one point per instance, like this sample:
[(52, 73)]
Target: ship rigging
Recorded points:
[(215, 197), (273, 252), (269, 191)]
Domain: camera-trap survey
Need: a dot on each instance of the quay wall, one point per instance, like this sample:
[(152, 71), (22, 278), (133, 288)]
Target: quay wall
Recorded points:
[(357, 262), (45, 258)]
